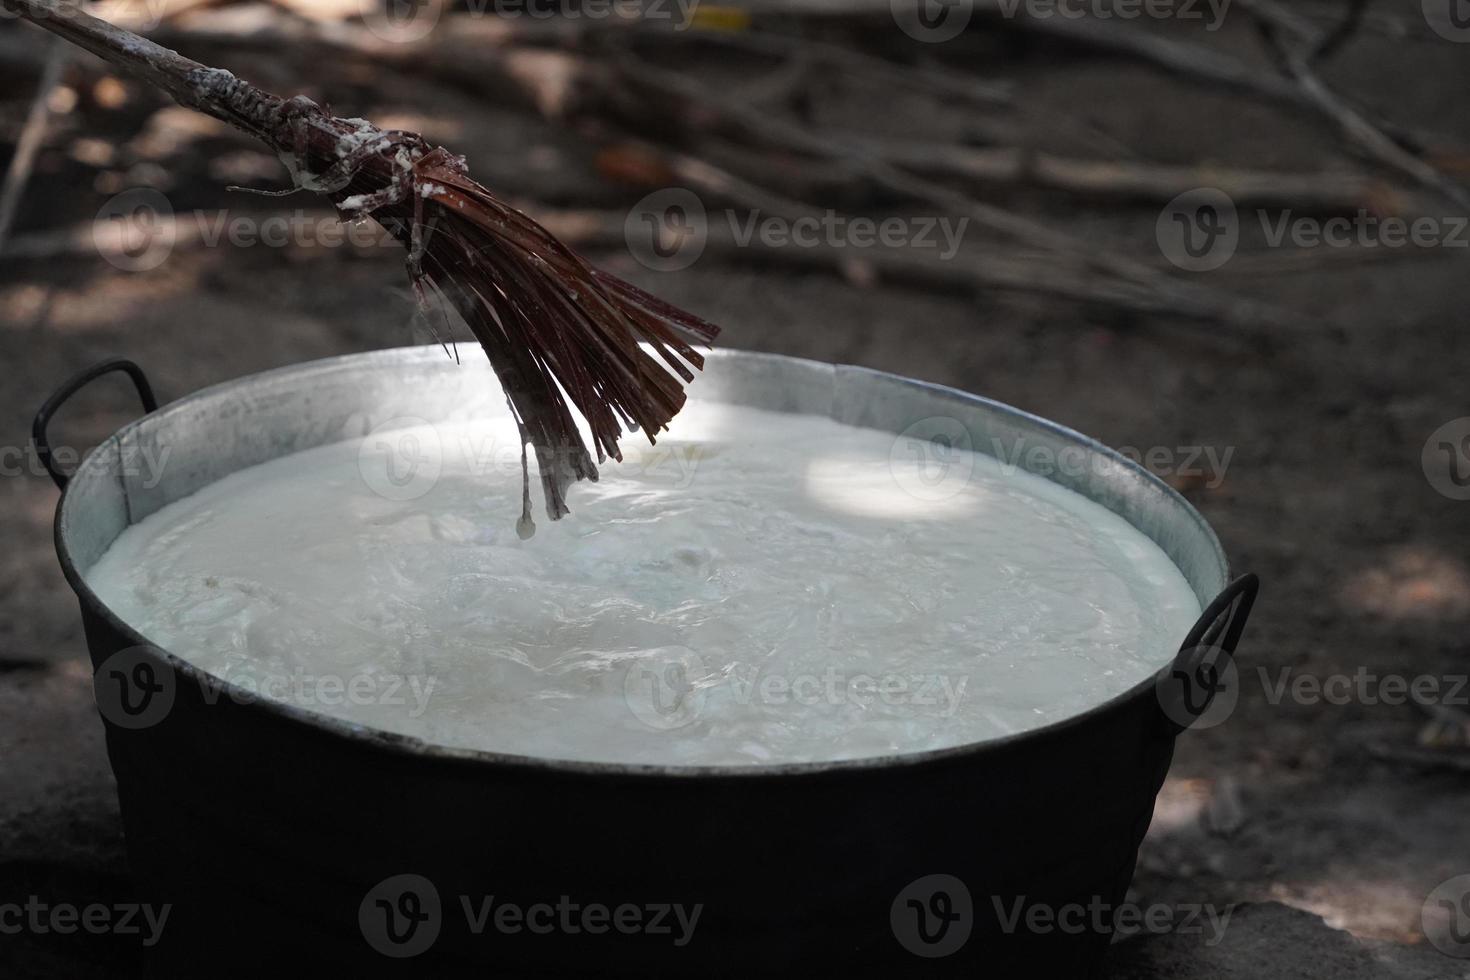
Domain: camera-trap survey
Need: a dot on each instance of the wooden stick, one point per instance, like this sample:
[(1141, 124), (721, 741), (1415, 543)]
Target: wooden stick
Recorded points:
[(558, 333), (211, 91)]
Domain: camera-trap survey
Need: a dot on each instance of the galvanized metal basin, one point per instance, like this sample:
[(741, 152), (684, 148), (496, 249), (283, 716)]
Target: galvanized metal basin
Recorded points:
[(283, 837)]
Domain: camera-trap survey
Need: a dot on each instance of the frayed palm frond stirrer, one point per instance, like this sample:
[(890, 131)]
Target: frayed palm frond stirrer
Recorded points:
[(548, 321)]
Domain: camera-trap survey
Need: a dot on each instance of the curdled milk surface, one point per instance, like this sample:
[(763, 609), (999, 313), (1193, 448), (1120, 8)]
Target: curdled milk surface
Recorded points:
[(758, 588)]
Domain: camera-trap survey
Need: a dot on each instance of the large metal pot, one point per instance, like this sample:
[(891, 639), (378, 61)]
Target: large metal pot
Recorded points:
[(282, 837)]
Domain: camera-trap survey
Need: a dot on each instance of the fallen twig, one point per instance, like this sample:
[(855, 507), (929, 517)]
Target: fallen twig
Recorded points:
[(934, 80), (1124, 179), (31, 136), (1354, 125), (1184, 59), (650, 84), (971, 272)]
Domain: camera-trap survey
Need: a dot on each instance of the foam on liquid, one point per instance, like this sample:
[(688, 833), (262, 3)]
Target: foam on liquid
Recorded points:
[(758, 588)]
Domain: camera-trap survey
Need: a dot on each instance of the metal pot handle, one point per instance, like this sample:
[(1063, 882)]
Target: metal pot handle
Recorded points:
[(70, 387), (1187, 687)]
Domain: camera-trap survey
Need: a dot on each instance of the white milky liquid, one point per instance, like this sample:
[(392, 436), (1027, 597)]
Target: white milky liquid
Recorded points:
[(758, 588)]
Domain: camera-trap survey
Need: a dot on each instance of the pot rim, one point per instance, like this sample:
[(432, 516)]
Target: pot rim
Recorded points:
[(414, 746)]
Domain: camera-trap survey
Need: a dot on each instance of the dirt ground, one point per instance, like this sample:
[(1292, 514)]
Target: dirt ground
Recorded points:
[(1331, 823)]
